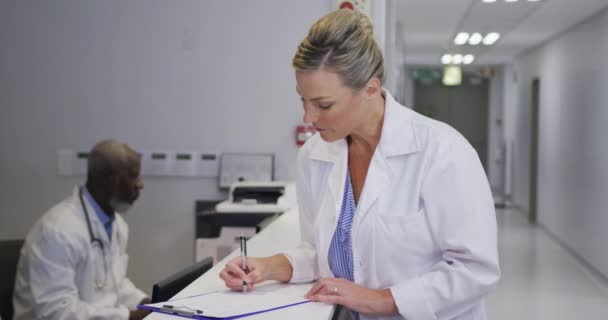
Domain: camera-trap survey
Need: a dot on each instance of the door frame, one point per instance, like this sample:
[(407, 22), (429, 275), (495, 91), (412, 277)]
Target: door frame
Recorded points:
[(534, 141)]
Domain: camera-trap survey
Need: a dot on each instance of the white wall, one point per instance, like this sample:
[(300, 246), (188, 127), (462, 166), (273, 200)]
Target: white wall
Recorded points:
[(495, 154), (397, 80), (510, 98), (378, 16), (573, 150), (187, 74)]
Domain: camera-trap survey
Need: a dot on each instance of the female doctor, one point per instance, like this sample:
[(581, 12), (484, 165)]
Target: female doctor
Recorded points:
[(396, 215)]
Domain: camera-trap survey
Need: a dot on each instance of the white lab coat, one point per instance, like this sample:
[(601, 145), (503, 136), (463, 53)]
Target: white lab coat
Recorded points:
[(60, 269), (424, 226)]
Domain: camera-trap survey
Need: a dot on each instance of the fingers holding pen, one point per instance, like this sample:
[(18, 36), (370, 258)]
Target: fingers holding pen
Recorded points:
[(233, 275)]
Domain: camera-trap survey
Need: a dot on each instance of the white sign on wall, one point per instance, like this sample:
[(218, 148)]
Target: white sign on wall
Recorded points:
[(73, 162), (239, 167)]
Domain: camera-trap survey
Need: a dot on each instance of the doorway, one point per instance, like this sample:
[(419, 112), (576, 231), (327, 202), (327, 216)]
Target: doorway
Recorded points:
[(534, 118), (464, 107)]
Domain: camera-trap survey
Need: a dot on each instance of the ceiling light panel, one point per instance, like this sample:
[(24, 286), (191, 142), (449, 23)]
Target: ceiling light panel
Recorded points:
[(475, 39), (461, 38), (457, 59), (491, 38), (446, 59), (468, 59)]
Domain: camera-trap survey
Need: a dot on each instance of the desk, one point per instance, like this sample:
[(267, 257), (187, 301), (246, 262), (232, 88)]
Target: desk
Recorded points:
[(281, 234)]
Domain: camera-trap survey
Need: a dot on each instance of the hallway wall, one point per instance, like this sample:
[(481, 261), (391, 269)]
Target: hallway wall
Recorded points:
[(573, 149)]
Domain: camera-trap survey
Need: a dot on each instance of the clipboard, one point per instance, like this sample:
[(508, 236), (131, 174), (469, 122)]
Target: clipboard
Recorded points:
[(225, 304)]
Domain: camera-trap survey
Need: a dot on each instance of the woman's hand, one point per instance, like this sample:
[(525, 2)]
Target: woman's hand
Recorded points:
[(276, 267), (353, 296), (234, 276)]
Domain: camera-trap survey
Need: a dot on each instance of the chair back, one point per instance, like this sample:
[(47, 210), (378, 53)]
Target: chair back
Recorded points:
[(10, 251), (170, 286)]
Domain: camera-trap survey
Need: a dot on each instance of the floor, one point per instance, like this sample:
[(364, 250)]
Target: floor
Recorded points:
[(540, 279)]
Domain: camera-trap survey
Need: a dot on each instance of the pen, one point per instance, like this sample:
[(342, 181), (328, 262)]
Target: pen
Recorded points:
[(244, 259), (176, 310)]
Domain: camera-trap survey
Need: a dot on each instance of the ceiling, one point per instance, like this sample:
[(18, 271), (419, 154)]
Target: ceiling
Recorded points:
[(428, 27)]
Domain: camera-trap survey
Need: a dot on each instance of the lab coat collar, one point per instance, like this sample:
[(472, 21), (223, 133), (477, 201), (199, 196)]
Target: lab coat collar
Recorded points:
[(99, 230), (398, 132), (329, 151), (398, 136), (105, 219)]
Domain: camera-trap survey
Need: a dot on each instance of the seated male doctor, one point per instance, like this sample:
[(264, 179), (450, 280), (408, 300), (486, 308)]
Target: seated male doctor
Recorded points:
[(73, 264)]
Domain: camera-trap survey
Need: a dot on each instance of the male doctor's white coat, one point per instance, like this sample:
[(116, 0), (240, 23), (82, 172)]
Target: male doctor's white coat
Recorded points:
[(425, 223), (61, 274)]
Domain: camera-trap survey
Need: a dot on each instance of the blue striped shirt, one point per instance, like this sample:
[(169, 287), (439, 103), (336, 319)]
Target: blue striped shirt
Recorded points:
[(341, 250), (340, 254)]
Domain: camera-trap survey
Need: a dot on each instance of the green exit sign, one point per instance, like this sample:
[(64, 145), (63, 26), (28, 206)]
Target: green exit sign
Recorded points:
[(425, 74)]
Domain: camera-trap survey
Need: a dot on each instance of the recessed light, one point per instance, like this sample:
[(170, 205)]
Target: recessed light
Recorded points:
[(461, 38), (490, 38), (446, 59), (457, 59), (475, 39), (468, 59), (489, 1)]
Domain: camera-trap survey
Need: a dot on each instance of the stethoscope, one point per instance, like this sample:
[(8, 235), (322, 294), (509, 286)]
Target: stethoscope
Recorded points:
[(94, 240)]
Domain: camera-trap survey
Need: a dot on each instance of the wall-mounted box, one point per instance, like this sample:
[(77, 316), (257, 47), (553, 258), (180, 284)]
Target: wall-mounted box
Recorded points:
[(156, 163), (208, 165), (236, 167), (72, 162)]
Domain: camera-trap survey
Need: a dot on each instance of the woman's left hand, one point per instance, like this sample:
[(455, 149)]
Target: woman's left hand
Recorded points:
[(353, 296)]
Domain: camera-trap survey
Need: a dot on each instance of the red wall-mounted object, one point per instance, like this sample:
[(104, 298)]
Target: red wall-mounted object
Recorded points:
[(347, 5), (303, 133)]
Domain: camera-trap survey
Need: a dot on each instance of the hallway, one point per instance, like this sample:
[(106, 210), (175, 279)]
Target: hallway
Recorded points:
[(540, 279)]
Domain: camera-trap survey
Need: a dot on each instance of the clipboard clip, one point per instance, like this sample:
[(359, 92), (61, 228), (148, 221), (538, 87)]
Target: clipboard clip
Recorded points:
[(180, 310)]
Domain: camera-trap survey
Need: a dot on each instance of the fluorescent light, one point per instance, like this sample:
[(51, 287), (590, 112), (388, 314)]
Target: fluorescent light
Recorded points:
[(488, 1), (446, 59), (490, 38), (457, 59), (468, 59), (461, 38), (510, 0), (475, 39)]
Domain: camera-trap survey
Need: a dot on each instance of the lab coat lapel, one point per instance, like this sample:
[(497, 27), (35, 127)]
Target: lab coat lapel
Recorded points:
[(377, 182), (398, 138), (336, 154)]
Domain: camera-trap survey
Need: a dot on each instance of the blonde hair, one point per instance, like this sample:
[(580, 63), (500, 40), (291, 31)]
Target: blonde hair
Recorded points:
[(343, 42)]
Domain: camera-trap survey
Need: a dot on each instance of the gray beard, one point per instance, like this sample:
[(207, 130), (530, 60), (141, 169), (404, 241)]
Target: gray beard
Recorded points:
[(120, 206)]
